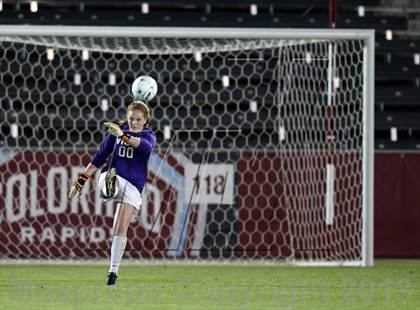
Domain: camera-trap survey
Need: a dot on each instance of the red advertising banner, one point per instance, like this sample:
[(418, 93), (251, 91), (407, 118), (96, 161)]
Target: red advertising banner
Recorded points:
[(277, 211), (38, 219)]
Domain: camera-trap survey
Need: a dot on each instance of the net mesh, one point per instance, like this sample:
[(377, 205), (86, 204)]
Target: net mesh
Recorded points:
[(259, 150)]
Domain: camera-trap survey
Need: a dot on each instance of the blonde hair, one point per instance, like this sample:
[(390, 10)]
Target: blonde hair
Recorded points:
[(140, 106)]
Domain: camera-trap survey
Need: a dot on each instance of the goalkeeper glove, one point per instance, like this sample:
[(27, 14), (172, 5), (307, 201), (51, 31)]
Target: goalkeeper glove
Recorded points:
[(78, 185), (115, 130)]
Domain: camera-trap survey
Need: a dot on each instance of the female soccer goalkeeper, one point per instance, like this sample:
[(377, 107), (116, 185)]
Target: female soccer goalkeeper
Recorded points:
[(128, 147)]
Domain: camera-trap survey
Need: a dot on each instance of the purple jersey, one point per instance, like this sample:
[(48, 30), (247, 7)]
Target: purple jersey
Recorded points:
[(130, 162)]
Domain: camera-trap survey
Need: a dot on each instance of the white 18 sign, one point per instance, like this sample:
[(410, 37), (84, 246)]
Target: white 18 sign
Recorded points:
[(211, 183)]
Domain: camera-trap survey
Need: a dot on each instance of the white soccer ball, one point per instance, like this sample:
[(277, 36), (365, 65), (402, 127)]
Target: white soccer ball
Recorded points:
[(144, 88)]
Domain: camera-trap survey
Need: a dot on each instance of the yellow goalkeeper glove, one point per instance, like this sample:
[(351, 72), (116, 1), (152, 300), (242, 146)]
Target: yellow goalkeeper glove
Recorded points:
[(115, 130)]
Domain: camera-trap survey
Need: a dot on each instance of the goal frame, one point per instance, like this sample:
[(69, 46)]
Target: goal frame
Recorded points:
[(368, 36)]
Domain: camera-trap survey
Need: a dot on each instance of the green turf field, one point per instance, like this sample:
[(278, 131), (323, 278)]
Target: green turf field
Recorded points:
[(390, 284)]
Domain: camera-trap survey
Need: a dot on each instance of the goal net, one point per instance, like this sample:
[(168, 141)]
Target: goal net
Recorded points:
[(264, 142)]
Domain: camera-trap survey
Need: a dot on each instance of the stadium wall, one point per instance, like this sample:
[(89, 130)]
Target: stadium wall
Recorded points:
[(397, 205)]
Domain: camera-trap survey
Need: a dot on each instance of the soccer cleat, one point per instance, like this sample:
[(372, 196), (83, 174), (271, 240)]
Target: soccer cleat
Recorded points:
[(110, 178), (112, 278)]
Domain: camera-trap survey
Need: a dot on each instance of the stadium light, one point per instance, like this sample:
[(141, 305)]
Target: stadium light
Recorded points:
[(85, 55), (337, 82), (308, 57), (253, 8), (50, 54), (112, 79), (361, 11), (145, 8), (14, 130), (77, 80), (417, 59), (166, 132), (394, 134), (198, 56), (388, 35), (253, 106), (1, 6), (225, 81), (34, 6), (104, 104), (282, 133)]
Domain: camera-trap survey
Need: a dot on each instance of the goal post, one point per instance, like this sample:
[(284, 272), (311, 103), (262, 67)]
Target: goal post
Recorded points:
[(265, 142)]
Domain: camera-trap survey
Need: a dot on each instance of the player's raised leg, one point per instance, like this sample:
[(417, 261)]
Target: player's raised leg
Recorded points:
[(108, 184)]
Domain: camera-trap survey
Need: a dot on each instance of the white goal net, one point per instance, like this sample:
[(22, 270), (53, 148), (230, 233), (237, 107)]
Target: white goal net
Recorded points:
[(264, 148)]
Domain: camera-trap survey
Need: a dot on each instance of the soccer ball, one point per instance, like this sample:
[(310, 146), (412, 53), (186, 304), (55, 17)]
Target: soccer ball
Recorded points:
[(144, 88)]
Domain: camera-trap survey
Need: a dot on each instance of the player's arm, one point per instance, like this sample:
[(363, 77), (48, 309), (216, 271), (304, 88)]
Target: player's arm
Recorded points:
[(90, 170), (104, 151), (81, 180), (145, 144), (98, 160), (133, 141), (116, 131)]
